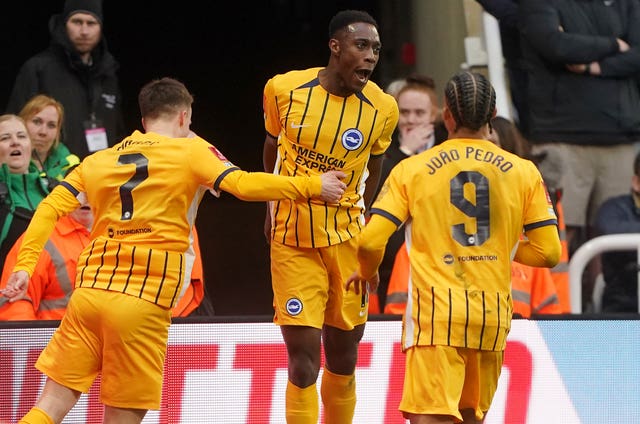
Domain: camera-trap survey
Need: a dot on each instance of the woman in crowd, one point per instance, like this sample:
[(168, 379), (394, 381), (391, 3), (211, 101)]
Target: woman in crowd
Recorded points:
[(43, 116), (21, 187)]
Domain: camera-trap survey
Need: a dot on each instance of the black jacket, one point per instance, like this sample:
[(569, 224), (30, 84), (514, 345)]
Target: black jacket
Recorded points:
[(619, 215), (576, 108), (59, 72)]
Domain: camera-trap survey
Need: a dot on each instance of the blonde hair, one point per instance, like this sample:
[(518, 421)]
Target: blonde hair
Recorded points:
[(36, 104), (10, 116)]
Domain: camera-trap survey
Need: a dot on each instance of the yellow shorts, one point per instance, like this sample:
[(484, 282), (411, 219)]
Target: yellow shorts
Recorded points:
[(121, 336), (309, 286), (443, 380)]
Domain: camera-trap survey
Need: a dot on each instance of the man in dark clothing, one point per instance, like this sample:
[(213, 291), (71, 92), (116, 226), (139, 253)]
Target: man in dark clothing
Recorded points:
[(78, 71), (621, 215), (583, 62), (506, 13)]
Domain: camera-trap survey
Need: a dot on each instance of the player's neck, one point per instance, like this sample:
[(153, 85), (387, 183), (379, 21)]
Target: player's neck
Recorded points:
[(482, 133), (164, 128)]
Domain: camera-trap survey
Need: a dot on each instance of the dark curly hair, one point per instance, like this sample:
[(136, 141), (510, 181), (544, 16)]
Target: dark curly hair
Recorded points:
[(346, 17)]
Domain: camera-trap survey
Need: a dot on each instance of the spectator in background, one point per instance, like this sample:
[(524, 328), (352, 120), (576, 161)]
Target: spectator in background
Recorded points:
[(323, 118), (464, 216), (507, 135), (583, 62), (21, 187), (194, 301), (43, 116), (419, 116), (506, 13), (54, 276), (621, 215), (78, 71), (394, 87)]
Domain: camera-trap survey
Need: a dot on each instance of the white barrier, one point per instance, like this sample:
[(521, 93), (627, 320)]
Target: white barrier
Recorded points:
[(587, 251), (236, 373), (495, 64)]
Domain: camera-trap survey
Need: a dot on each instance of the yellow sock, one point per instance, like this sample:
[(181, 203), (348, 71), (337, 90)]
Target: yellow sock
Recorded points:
[(301, 404), (36, 416), (338, 397)]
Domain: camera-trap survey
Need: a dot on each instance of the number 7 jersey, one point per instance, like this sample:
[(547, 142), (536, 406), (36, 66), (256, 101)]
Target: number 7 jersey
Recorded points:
[(144, 193), (466, 203)]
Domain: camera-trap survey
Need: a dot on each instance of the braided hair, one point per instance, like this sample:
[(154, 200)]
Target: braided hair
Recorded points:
[(471, 100)]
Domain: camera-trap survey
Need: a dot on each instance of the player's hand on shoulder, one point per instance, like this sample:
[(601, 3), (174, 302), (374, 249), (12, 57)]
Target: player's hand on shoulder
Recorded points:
[(332, 186)]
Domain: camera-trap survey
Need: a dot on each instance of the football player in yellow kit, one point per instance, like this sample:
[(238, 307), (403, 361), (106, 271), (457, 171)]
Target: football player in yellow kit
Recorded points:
[(145, 193), (464, 204), (318, 119)]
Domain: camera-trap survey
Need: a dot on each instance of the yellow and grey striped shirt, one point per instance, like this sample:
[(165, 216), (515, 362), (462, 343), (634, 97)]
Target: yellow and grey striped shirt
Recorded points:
[(145, 193), (318, 132), (465, 204)]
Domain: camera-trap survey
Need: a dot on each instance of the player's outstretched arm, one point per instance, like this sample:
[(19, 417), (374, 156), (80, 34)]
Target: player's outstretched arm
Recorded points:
[(260, 186)]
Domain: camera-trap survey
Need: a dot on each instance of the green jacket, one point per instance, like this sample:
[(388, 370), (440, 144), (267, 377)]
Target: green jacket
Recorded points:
[(20, 194), (58, 162)]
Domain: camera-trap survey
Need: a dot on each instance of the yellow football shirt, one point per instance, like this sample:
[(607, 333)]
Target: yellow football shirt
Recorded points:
[(318, 132), (465, 204), (145, 193)]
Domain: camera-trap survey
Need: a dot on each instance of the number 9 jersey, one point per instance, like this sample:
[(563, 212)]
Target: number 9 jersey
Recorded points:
[(461, 249)]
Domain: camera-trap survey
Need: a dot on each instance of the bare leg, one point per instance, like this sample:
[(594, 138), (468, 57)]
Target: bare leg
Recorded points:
[(468, 417), (303, 349), (341, 348), (429, 419), (57, 400), (113, 415)]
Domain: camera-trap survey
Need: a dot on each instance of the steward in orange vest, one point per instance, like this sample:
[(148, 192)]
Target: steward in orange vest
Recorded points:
[(54, 276)]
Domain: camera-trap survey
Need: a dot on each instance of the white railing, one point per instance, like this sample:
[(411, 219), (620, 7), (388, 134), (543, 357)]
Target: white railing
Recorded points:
[(495, 65), (587, 251)]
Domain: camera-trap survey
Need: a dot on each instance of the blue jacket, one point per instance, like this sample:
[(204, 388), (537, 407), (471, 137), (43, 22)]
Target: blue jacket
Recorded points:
[(619, 215)]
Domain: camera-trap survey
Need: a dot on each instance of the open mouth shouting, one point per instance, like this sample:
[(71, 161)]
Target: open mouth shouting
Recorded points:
[(16, 153), (363, 75)]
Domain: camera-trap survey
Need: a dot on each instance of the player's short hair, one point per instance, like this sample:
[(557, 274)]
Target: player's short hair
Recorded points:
[(471, 99), (164, 96), (347, 17)]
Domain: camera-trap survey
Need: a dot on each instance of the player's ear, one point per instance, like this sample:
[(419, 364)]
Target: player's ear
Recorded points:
[(447, 117), (334, 46), (182, 118)]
